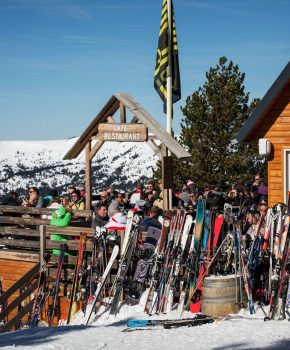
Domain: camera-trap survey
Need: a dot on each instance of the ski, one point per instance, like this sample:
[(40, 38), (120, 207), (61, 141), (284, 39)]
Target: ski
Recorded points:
[(198, 320), (55, 289), (151, 240), (73, 295), (156, 268), (41, 293), (101, 282), (124, 264)]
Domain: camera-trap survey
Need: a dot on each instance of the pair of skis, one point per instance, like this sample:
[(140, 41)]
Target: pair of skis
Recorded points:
[(52, 309), (198, 320), (128, 247), (41, 294)]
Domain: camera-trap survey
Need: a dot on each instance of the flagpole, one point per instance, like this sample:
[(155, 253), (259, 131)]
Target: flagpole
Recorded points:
[(169, 105)]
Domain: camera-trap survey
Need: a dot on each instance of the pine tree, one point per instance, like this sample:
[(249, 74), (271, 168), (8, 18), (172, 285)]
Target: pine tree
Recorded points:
[(212, 117)]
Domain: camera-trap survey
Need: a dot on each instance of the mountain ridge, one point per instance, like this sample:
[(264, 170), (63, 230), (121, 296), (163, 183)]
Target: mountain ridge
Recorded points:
[(40, 163)]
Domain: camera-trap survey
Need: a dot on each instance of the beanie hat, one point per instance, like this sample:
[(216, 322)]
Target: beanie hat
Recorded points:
[(189, 183), (117, 222)]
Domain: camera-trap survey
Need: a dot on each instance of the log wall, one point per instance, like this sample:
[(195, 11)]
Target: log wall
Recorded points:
[(275, 127)]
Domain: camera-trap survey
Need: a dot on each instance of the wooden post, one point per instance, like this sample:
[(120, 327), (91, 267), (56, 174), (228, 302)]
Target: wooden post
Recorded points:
[(88, 175), (42, 243), (122, 113)]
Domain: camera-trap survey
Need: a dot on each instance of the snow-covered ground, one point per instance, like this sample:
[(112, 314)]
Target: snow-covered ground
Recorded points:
[(106, 333)]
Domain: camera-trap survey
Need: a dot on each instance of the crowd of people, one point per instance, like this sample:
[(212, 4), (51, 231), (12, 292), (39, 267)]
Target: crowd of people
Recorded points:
[(252, 196)]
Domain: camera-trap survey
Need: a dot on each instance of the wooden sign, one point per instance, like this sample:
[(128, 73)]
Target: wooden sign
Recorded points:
[(122, 132)]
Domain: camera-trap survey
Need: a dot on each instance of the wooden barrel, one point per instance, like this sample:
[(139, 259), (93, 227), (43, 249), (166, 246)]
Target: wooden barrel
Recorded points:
[(220, 295)]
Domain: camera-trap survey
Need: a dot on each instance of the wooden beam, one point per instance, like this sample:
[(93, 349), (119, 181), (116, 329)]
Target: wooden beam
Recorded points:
[(88, 175), (43, 211), (22, 221), (20, 243), (42, 242), (70, 230), (152, 125), (9, 254), (72, 245), (111, 120), (95, 149), (155, 148), (12, 230), (134, 119), (24, 279), (99, 143), (109, 109), (18, 300), (18, 317), (122, 113)]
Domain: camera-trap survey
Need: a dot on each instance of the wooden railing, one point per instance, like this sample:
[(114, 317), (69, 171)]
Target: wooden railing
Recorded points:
[(28, 238), (30, 235), (42, 211), (26, 285)]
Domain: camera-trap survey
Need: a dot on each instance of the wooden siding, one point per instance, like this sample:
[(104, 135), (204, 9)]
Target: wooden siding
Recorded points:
[(276, 128), (11, 271)]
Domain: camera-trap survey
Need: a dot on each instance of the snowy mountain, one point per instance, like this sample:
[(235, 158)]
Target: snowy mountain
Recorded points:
[(41, 164)]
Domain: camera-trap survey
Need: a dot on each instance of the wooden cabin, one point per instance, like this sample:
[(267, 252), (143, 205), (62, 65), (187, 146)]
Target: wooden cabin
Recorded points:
[(271, 121)]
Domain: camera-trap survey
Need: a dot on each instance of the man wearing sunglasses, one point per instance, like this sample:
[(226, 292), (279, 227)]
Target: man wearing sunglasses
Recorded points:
[(33, 199), (116, 204)]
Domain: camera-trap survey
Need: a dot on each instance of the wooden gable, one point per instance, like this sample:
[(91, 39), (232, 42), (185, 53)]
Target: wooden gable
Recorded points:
[(92, 139)]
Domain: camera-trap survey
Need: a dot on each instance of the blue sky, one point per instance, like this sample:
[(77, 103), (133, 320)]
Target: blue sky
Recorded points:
[(61, 60)]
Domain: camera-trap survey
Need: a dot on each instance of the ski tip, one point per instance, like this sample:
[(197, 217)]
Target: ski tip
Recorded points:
[(137, 323)]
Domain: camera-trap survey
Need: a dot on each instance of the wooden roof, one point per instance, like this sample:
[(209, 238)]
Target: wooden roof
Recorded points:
[(139, 115), (267, 102)]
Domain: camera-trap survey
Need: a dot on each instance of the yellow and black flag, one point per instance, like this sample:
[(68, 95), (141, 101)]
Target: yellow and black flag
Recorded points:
[(165, 58)]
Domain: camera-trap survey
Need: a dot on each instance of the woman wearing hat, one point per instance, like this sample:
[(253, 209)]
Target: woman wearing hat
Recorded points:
[(77, 202)]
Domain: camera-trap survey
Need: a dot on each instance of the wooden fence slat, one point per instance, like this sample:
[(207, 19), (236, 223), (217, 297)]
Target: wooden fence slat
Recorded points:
[(70, 230), (43, 211), (19, 255), (12, 230), (23, 221), (18, 300), (72, 245), (21, 243), (29, 275), (18, 317)]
